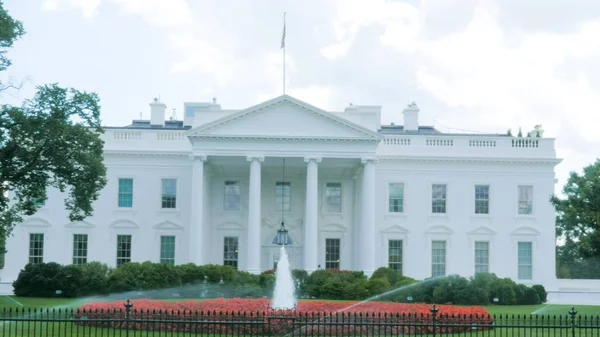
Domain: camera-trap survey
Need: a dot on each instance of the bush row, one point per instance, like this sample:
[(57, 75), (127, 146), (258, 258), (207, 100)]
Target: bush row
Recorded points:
[(155, 280)]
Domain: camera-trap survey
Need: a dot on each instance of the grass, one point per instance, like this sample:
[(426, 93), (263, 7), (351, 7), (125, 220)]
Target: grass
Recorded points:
[(68, 329)]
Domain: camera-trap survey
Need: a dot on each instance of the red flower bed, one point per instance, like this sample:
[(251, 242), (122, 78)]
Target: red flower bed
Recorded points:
[(251, 316)]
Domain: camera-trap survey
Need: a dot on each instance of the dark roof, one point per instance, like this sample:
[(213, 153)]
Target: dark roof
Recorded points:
[(145, 124)]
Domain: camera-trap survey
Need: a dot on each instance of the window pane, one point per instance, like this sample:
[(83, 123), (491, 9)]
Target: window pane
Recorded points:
[(125, 197), (395, 255), (332, 253), (36, 248), (80, 248), (167, 250), (482, 199), (396, 198), (438, 198), (525, 260), (438, 258), (169, 193), (230, 251), (123, 249), (283, 196), (333, 197), (481, 257), (525, 199), (232, 196)]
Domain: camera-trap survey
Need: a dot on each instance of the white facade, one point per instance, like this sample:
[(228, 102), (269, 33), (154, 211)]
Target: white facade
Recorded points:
[(383, 194)]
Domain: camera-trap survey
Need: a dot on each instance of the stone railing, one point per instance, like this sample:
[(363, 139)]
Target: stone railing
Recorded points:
[(466, 146), (122, 139)]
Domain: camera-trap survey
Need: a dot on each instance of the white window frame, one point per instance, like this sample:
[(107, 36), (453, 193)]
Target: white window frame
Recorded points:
[(160, 258), (237, 252), (132, 192), (278, 202), (177, 201), (431, 199), (519, 186), (475, 272), (488, 199), (117, 248), (532, 244), (339, 260), (388, 190), (87, 248), (29, 247), (239, 184), (325, 199), (401, 263), (445, 256)]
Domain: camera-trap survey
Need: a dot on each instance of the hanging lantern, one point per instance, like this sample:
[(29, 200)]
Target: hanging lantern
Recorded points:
[(282, 238)]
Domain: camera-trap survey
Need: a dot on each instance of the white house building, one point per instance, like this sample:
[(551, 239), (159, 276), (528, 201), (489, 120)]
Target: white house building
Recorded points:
[(355, 194)]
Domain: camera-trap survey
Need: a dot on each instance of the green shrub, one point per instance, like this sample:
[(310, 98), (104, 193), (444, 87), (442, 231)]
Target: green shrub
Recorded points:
[(531, 297), (388, 273), (44, 279), (95, 277), (377, 286), (190, 273), (541, 291)]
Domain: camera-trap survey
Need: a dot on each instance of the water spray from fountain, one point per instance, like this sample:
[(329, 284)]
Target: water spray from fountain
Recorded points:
[(284, 297)]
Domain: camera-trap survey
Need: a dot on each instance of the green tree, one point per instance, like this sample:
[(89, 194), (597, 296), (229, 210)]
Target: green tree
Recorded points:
[(51, 140), (578, 217)]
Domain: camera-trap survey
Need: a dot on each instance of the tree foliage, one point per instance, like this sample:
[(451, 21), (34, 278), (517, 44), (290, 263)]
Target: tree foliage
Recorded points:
[(51, 140), (578, 217)]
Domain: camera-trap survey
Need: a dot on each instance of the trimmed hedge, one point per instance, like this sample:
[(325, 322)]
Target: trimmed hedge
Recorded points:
[(155, 280)]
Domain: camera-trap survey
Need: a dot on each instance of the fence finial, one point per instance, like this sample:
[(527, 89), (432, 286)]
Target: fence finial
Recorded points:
[(434, 310), (128, 305)]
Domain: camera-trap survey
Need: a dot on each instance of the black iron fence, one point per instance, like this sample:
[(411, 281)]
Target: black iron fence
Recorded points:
[(130, 322)]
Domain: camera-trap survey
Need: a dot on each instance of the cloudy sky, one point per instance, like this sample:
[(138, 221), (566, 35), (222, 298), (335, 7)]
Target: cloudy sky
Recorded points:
[(483, 66)]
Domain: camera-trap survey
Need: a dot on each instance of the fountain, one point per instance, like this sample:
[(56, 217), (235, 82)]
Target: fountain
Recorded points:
[(284, 297)]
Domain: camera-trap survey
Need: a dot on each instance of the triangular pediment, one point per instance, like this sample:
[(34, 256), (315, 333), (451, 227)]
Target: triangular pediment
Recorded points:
[(167, 225), (482, 230), (124, 223), (230, 226), (284, 117), (396, 229), (80, 224)]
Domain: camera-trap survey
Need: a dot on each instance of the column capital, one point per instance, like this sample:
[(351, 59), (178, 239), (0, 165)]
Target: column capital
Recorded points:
[(253, 158), (315, 159), (200, 157), (369, 160)]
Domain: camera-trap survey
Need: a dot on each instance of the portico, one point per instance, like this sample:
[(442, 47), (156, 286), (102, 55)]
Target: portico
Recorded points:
[(328, 159)]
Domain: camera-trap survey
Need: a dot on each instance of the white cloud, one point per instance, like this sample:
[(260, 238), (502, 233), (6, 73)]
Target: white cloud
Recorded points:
[(166, 13)]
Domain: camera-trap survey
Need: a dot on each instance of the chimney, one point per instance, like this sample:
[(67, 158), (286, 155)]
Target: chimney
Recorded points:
[(157, 113), (411, 117)]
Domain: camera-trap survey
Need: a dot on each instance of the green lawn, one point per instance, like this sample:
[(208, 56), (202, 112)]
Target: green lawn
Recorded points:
[(68, 329)]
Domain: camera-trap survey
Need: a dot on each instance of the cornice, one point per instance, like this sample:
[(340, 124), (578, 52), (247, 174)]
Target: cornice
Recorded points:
[(499, 160), (287, 138), (134, 153)]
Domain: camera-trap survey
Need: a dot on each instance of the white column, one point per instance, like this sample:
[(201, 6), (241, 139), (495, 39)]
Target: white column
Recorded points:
[(311, 217), (254, 214), (196, 232), (367, 224)]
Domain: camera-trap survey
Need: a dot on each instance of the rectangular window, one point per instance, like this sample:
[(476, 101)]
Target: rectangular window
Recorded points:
[(438, 198), (169, 193), (232, 196), (123, 249), (482, 257), (395, 255), (525, 261), (332, 253), (80, 248), (36, 248), (525, 199), (283, 196), (482, 199), (125, 198), (438, 258), (167, 250), (396, 198), (230, 251), (333, 197)]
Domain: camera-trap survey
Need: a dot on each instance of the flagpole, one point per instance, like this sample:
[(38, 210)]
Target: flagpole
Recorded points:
[(283, 47)]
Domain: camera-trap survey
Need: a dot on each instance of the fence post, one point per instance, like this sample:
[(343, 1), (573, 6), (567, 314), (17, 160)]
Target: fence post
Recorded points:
[(434, 310), (573, 313), (128, 306)]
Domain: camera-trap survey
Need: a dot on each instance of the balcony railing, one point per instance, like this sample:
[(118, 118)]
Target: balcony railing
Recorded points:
[(467, 146)]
